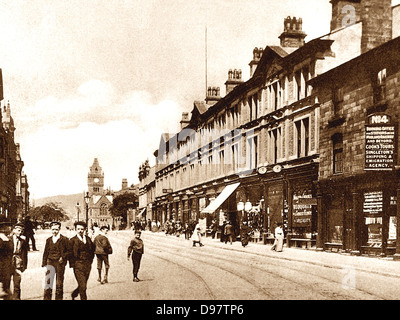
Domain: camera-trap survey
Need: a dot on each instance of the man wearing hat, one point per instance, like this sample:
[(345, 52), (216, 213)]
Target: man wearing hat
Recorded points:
[(81, 258), (136, 248), (19, 258), (103, 249), (6, 254), (55, 258)]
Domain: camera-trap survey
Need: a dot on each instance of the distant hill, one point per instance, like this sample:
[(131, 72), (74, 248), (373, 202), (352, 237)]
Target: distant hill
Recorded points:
[(67, 202)]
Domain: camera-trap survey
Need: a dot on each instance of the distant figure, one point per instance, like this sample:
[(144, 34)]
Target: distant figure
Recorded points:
[(228, 232), (29, 233), (136, 248), (245, 232), (55, 257), (103, 249), (279, 236), (196, 236), (213, 228)]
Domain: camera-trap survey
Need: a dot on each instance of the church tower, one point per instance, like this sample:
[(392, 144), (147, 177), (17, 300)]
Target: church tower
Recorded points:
[(95, 179)]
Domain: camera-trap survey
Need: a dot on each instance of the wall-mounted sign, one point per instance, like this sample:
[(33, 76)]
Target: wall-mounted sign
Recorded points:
[(380, 137), (302, 208), (167, 190), (373, 203)]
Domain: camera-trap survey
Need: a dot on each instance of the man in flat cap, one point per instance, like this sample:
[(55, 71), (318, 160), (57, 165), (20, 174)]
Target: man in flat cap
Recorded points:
[(55, 257), (6, 254), (19, 258), (103, 249), (81, 258)]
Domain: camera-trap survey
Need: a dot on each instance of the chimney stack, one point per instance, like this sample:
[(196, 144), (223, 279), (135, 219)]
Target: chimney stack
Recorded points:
[(293, 34), (213, 95), (234, 79), (185, 120), (257, 53)]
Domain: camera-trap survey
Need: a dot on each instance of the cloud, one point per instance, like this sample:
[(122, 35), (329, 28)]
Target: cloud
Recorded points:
[(62, 137)]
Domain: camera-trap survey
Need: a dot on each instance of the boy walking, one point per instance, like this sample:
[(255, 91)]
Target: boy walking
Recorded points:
[(136, 249), (82, 254), (103, 249), (19, 258), (55, 258)]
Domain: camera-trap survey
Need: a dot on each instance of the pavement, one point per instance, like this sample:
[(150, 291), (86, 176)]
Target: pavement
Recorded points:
[(372, 264)]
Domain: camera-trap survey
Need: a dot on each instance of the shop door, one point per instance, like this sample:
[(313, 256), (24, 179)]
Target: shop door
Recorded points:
[(348, 230)]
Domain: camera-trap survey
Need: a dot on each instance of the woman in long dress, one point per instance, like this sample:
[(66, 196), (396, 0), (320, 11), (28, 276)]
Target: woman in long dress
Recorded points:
[(196, 236), (279, 236)]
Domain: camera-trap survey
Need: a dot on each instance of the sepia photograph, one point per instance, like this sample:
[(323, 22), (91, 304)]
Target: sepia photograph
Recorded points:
[(196, 156)]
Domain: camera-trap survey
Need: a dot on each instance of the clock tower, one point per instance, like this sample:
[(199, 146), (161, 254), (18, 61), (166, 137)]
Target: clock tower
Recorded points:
[(95, 179)]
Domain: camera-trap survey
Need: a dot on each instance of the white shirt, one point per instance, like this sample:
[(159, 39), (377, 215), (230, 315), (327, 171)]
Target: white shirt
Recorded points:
[(55, 238), (82, 239)]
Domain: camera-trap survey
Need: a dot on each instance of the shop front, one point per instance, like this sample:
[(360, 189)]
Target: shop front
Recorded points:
[(359, 214)]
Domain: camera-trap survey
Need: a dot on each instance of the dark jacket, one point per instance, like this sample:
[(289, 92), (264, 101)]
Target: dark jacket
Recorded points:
[(20, 258), (57, 250), (136, 245), (102, 244), (6, 254), (80, 251)]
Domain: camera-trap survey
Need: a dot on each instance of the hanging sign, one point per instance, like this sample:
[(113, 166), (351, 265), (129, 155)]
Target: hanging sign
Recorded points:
[(380, 137)]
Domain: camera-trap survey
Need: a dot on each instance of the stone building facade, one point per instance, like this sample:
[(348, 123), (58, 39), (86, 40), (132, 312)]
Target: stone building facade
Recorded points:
[(259, 152)]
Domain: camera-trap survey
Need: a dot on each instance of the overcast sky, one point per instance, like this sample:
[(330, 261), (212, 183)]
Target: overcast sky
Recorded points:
[(101, 78)]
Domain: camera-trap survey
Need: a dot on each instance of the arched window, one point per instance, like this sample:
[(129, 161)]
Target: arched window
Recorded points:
[(103, 209)]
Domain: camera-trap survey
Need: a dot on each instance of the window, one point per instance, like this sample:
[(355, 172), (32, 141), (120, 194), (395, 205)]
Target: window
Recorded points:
[(303, 137), (252, 152), (337, 140), (274, 136), (103, 209), (337, 99), (297, 78), (380, 86)]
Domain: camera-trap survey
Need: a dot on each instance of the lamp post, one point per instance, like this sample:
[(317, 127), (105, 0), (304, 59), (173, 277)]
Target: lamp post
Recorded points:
[(78, 208), (87, 199)]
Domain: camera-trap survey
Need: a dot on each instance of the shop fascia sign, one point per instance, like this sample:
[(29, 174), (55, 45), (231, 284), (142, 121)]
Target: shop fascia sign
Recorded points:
[(380, 140)]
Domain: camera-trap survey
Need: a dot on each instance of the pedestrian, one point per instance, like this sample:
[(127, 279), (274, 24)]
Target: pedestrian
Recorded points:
[(196, 236), (103, 249), (55, 257), (19, 258), (245, 232), (213, 228), (81, 258), (279, 236), (228, 232), (136, 249), (6, 256), (222, 236), (29, 233)]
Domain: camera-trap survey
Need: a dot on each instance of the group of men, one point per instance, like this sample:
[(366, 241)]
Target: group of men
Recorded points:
[(79, 251)]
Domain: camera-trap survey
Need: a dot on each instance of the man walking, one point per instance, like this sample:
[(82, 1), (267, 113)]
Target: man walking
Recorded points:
[(82, 255), (228, 232), (55, 258), (29, 233), (103, 249), (19, 258), (136, 248), (6, 254)]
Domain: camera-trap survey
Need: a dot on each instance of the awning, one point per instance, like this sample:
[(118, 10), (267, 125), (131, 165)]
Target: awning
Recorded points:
[(218, 201), (141, 212)]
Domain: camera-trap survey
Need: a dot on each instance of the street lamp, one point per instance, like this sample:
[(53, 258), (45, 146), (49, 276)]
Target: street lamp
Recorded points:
[(87, 199), (78, 208)]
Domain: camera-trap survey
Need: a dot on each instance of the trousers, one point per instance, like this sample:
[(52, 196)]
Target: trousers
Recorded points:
[(55, 269), (81, 271), (136, 257)]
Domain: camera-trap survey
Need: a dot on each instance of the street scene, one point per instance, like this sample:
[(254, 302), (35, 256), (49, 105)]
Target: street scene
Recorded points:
[(220, 271), (200, 151)]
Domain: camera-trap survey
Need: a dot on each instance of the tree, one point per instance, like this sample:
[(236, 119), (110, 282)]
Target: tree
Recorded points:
[(122, 203), (51, 211)]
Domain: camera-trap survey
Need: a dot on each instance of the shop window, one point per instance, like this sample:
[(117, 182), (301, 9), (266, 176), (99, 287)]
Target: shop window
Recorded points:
[(380, 86), (337, 153)]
